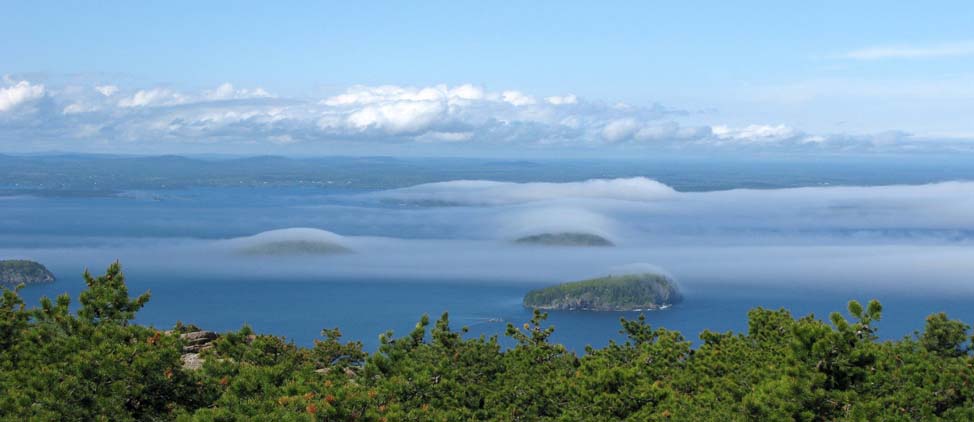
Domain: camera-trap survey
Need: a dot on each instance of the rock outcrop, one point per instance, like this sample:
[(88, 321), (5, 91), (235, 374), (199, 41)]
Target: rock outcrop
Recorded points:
[(195, 343)]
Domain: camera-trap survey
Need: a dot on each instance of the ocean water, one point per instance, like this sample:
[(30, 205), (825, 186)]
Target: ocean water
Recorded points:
[(735, 235), (363, 309)]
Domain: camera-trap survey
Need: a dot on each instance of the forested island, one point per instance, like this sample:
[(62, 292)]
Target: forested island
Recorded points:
[(292, 241), (91, 362), (631, 292), (295, 247), (17, 271), (565, 239)]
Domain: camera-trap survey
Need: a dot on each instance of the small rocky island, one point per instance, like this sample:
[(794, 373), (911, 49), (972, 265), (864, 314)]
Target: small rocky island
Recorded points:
[(565, 239), (633, 292), (16, 271)]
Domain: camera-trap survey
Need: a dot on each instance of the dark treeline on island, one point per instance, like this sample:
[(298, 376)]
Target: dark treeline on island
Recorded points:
[(95, 364), (565, 239)]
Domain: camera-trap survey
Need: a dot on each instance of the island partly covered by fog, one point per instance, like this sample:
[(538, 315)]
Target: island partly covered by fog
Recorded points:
[(289, 242), (565, 239)]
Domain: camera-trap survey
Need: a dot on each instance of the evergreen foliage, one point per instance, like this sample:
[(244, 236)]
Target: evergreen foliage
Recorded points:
[(95, 365)]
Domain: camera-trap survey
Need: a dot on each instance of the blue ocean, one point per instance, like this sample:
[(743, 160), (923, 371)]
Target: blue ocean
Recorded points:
[(435, 236)]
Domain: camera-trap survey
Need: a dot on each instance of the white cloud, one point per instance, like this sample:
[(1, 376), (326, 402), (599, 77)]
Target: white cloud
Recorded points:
[(430, 137), (169, 97), (366, 95), (562, 100), (952, 49), (466, 115), (620, 130), (398, 117), (20, 93), (107, 90), (517, 98), (755, 133), (153, 97), (75, 108), (226, 91)]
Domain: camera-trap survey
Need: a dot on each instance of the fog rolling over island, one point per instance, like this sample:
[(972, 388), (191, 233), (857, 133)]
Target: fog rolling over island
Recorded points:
[(449, 211)]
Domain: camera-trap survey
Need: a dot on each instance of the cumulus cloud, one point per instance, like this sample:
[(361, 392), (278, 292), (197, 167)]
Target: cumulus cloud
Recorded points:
[(226, 91), (106, 90), (369, 118), (517, 98), (152, 97), (19, 93), (562, 100), (620, 130), (754, 133), (398, 117)]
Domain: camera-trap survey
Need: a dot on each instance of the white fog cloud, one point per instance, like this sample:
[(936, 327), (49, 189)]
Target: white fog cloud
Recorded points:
[(484, 192), (914, 238)]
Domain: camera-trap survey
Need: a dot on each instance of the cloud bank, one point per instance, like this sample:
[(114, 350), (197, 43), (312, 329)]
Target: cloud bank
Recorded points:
[(486, 192), (915, 238), (36, 116)]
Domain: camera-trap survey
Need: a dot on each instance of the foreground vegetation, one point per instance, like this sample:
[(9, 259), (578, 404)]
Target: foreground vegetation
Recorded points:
[(93, 364)]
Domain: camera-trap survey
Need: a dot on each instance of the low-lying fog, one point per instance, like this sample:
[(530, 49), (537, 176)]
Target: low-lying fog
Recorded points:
[(913, 238)]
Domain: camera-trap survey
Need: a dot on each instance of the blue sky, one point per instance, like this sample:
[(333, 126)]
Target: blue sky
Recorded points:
[(752, 75)]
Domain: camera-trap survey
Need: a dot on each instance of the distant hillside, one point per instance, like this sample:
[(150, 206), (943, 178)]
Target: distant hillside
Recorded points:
[(565, 239), (16, 271), (611, 293)]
